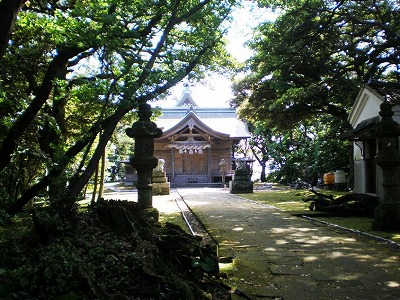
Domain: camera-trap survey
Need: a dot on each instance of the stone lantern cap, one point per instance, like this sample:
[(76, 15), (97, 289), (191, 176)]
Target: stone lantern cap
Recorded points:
[(387, 126)]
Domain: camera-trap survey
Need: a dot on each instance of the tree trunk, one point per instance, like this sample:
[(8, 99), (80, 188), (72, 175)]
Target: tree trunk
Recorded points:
[(263, 176), (102, 174), (96, 179), (108, 128), (9, 10), (54, 173)]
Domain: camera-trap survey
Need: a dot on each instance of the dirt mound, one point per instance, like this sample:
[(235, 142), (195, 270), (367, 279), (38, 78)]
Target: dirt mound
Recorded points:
[(113, 251)]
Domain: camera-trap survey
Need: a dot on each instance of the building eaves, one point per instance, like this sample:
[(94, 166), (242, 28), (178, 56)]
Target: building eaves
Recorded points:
[(364, 130)]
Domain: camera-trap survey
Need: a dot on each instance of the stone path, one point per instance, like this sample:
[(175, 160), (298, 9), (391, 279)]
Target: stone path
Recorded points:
[(279, 256)]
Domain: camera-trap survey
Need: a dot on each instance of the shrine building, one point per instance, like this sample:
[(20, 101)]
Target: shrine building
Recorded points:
[(196, 141)]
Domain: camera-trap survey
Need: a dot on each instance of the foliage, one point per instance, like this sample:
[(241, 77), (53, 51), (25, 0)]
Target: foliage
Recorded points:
[(149, 262), (308, 152), (120, 149), (303, 153), (71, 70), (314, 57), (306, 71)]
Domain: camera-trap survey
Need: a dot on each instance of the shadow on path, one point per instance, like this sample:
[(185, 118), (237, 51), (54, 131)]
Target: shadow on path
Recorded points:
[(279, 256)]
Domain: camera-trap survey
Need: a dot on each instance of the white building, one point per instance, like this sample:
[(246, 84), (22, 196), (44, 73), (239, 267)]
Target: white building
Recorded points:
[(363, 118)]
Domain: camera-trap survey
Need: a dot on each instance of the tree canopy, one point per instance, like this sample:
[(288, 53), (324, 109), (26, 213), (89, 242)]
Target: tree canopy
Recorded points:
[(314, 57), (71, 70), (308, 66)]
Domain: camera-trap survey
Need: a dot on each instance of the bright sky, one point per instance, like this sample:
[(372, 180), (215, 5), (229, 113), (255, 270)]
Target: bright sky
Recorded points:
[(216, 90)]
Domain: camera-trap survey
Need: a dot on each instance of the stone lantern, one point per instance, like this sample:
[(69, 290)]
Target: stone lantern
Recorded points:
[(241, 182), (387, 214), (144, 132), (223, 169)]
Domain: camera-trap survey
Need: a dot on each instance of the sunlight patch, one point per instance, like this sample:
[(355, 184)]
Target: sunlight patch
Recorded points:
[(322, 238), (392, 284), (306, 229), (197, 203), (350, 239), (310, 258), (278, 230), (335, 254), (281, 242), (364, 257), (270, 249), (392, 259), (238, 229)]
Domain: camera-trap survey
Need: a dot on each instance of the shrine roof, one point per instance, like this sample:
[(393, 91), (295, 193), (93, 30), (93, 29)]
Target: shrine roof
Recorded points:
[(222, 120)]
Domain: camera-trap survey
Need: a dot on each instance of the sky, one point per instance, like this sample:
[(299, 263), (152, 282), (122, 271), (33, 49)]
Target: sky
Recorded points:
[(216, 89)]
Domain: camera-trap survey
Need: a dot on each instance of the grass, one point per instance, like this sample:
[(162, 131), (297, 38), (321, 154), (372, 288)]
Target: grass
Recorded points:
[(292, 202), (175, 218)]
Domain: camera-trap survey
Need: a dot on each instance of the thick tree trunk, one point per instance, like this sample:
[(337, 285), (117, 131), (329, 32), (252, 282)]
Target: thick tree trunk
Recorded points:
[(263, 177), (9, 10)]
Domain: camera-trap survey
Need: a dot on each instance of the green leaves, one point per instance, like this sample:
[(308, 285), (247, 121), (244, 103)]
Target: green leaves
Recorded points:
[(73, 69), (316, 55), (208, 264)]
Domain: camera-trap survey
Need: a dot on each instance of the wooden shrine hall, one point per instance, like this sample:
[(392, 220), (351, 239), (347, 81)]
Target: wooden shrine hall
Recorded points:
[(196, 140)]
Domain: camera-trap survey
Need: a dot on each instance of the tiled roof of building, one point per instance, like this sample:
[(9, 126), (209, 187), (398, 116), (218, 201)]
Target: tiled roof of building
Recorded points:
[(383, 91), (223, 120), (364, 129), (391, 90)]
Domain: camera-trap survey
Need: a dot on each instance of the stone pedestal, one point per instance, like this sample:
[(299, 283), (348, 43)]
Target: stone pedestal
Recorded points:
[(161, 186), (387, 214), (387, 217), (241, 183)]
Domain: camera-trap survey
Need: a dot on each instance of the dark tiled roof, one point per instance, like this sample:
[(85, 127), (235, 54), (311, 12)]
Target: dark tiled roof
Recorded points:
[(389, 89), (364, 129)]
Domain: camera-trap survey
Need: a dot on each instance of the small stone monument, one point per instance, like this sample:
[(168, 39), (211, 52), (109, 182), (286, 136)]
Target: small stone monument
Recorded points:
[(161, 186), (241, 183)]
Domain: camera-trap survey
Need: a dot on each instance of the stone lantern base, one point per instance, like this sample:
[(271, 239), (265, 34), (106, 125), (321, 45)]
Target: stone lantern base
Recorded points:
[(240, 187), (241, 183), (387, 217), (160, 184)]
